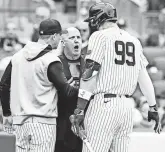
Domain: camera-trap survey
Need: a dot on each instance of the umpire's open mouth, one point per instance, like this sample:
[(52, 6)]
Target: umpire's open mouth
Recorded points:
[(76, 47)]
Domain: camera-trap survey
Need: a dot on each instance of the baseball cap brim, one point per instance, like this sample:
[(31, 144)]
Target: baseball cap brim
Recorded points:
[(51, 32), (88, 19), (50, 27)]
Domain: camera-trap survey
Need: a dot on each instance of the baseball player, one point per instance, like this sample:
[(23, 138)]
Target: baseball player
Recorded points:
[(114, 65)]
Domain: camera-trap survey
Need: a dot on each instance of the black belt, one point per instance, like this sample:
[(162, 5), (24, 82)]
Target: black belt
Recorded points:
[(109, 95)]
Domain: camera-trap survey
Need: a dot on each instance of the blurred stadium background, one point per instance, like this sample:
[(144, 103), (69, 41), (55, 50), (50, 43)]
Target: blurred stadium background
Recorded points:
[(143, 18)]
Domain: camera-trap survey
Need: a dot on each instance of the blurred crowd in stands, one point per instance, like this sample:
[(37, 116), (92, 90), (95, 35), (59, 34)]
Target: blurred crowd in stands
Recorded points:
[(153, 43)]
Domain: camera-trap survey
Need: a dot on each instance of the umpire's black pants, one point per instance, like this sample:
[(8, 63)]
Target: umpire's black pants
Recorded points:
[(66, 141)]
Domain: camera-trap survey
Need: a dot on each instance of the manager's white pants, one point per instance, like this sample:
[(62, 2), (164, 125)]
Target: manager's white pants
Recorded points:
[(35, 137), (108, 123)]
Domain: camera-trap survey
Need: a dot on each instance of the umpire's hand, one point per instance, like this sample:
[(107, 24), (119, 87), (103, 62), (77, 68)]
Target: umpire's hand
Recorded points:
[(154, 115), (77, 121)]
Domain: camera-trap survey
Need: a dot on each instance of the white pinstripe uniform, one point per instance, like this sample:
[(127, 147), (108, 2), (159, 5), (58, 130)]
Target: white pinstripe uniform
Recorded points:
[(109, 121), (33, 100), (35, 137)]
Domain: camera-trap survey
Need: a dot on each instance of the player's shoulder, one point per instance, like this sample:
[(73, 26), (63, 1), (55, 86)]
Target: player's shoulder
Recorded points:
[(126, 34), (97, 34), (129, 36)]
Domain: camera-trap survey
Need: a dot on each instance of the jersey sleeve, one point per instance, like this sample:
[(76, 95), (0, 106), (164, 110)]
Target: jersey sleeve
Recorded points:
[(143, 60), (96, 47)]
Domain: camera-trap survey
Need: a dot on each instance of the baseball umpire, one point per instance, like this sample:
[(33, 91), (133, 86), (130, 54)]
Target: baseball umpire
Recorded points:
[(114, 65), (73, 64)]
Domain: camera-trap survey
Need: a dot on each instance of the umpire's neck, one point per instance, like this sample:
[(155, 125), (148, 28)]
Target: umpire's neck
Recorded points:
[(108, 24)]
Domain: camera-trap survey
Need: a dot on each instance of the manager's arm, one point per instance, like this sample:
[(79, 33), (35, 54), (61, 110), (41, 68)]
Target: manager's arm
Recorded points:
[(57, 77)]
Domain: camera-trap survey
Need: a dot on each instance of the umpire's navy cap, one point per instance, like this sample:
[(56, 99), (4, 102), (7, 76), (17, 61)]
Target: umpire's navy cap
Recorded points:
[(50, 27)]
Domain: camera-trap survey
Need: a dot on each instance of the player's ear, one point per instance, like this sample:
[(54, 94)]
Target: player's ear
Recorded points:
[(54, 36)]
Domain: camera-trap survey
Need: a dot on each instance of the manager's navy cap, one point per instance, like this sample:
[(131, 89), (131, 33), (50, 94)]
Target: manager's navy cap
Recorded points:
[(50, 27)]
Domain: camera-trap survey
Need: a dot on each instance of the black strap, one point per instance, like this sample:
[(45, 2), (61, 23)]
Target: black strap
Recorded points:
[(82, 63), (65, 66), (65, 61)]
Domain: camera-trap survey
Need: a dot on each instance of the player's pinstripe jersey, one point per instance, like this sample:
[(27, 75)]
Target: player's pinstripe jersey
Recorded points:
[(121, 58)]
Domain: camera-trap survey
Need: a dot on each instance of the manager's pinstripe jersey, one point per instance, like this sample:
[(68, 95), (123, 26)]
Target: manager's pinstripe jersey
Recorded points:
[(121, 58)]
